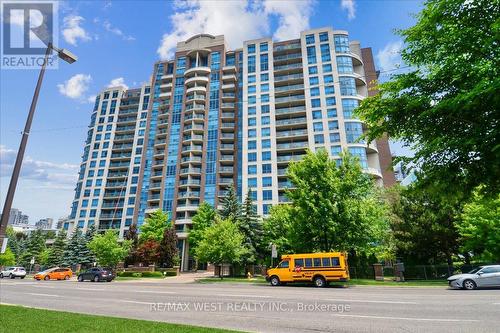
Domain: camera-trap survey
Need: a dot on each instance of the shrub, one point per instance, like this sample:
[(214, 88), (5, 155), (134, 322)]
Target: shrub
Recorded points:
[(152, 274)]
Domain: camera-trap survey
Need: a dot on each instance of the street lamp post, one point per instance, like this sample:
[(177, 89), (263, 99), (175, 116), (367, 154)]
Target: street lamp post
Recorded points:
[(69, 58)]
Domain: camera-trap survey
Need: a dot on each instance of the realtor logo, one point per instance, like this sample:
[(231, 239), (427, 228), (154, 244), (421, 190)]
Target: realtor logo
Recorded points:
[(27, 28)]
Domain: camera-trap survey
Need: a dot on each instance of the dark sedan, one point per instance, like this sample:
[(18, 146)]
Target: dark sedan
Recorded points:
[(97, 274)]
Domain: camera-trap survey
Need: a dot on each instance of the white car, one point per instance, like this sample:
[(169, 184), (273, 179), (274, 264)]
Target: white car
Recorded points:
[(13, 272), (483, 276)]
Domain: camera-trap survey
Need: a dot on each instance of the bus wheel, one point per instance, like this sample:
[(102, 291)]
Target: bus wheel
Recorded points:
[(319, 282), (275, 281)]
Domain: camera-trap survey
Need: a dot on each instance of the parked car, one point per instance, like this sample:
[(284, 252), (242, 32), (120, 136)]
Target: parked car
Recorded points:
[(483, 276), (55, 273), (97, 274), (13, 272)]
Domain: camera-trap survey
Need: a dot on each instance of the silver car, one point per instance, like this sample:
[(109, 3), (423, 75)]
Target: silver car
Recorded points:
[(483, 276), (13, 272)]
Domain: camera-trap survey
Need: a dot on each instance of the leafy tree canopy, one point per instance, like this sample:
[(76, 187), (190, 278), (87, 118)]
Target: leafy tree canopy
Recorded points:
[(154, 226), (479, 226), (446, 106), (204, 218), (231, 207), (108, 250)]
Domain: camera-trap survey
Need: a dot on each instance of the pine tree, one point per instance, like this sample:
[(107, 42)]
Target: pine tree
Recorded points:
[(56, 252), (132, 235), (250, 226), (168, 247), (35, 244), (231, 207), (71, 251)]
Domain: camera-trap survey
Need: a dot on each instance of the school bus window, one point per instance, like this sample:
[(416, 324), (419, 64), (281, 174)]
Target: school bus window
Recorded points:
[(317, 262), (284, 264), (326, 262), (335, 261), (299, 262), (308, 262)]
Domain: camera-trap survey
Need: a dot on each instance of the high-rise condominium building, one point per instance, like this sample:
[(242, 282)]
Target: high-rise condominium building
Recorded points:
[(212, 117)]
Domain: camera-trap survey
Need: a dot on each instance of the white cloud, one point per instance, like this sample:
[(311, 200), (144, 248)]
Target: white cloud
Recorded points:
[(76, 86), (114, 30), (72, 30), (350, 7), (389, 58), (57, 174), (91, 98), (293, 17), (236, 20), (119, 81)]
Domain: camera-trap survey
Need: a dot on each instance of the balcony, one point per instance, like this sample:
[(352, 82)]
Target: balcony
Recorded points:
[(124, 128), (226, 158), (289, 99), (200, 89), (291, 46), (191, 159), (292, 145), (290, 88), (193, 137), (228, 115), (226, 146), (291, 121), (196, 97), (193, 128), (202, 70), (190, 182), (226, 170), (228, 96), (124, 137), (203, 80), (229, 69), (288, 158), (197, 148), (183, 195), (190, 170), (292, 133), (289, 67), (194, 116), (226, 106), (289, 77), (119, 164), (229, 86), (290, 110)]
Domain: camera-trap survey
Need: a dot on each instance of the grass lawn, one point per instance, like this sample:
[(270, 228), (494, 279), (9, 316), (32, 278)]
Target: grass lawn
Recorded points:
[(133, 278), (22, 319), (352, 282)]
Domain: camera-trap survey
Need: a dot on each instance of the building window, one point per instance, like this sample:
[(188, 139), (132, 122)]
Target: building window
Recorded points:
[(266, 155), (360, 153), (251, 79), (267, 181), (329, 90), (353, 132), (266, 131), (251, 48), (318, 127), (252, 182), (313, 80), (309, 39), (317, 114), (263, 47), (266, 208), (252, 110), (252, 157), (323, 37), (348, 106), (265, 120), (325, 52), (315, 103), (313, 70), (252, 121), (327, 68), (335, 150), (252, 144), (347, 86), (333, 125), (311, 55), (264, 62), (267, 195), (314, 91), (341, 43), (266, 143), (264, 108), (344, 65), (330, 101), (334, 137), (264, 77), (266, 168), (252, 89), (331, 113), (251, 64), (252, 169), (319, 138)]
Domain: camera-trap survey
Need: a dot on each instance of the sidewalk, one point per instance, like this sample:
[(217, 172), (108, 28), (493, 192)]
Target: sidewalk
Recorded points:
[(183, 278)]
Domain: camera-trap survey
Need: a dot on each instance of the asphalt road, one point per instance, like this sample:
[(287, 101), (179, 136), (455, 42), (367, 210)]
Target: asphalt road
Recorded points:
[(262, 308)]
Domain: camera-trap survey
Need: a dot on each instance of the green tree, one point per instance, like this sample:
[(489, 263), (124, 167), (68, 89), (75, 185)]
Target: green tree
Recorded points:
[(16, 243), (8, 258), (56, 253), (154, 226), (479, 226), (231, 207), (71, 252), (204, 218), (423, 224), (250, 226), (446, 106), (35, 245), (278, 229), (335, 207), (168, 248), (133, 237), (222, 243), (108, 250)]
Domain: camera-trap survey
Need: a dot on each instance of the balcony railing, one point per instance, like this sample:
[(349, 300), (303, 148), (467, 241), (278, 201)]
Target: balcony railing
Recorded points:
[(285, 99)]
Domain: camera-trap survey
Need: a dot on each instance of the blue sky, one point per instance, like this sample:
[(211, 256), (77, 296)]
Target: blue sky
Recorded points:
[(118, 41)]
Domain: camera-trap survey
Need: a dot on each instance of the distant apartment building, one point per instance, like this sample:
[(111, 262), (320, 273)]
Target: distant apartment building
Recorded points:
[(44, 224), (212, 117), (17, 218)]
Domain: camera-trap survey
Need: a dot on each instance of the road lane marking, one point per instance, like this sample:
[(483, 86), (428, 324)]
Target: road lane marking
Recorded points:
[(154, 292), (49, 295), (370, 301), (409, 318), (136, 302), (234, 295)]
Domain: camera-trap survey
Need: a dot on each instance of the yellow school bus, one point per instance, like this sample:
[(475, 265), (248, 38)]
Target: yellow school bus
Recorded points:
[(320, 268)]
